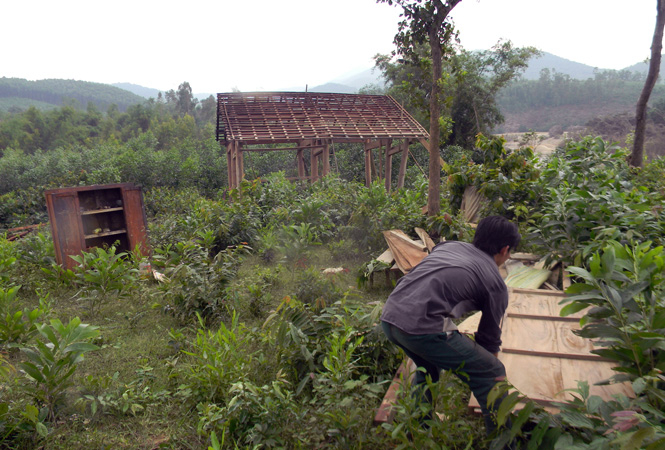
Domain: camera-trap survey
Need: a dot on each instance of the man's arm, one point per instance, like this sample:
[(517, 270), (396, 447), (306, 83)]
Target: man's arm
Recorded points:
[(489, 328)]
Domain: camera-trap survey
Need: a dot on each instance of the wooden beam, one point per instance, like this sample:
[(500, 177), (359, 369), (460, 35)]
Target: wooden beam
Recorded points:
[(279, 149), (583, 357), (301, 163), (368, 167), (404, 147), (326, 160), (371, 145), (385, 413), (389, 166), (424, 141), (314, 159), (240, 163), (541, 317), (229, 164)]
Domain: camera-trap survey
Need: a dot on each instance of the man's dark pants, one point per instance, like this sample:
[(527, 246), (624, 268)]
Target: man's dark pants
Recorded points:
[(474, 365)]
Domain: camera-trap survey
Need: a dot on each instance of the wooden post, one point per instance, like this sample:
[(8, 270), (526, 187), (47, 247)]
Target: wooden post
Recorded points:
[(301, 163), (326, 159), (229, 164), (315, 155), (240, 163), (368, 166), (402, 164), (234, 182), (379, 160), (389, 165)]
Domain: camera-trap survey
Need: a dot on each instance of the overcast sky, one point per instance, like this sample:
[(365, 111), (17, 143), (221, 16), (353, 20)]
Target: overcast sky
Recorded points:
[(270, 44)]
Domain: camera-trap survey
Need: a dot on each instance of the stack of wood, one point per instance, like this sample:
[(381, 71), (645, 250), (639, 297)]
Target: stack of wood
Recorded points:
[(20, 232)]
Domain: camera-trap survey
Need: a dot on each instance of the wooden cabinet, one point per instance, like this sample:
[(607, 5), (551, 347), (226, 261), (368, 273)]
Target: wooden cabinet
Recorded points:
[(86, 217)]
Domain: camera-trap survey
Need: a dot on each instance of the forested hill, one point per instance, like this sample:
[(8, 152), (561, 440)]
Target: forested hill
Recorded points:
[(20, 93)]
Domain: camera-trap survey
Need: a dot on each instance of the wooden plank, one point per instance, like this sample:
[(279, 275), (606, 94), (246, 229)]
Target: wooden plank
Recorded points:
[(301, 163), (403, 376), (326, 160), (422, 234), (135, 219), (66, 228), (407, 253), (537, 317), (520, 256), (402, 164), (386, 257), (587, 357), (389, 167), (368, 167)]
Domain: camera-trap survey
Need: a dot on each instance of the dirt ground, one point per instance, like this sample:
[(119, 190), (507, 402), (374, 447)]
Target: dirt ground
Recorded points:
[(542, 147)]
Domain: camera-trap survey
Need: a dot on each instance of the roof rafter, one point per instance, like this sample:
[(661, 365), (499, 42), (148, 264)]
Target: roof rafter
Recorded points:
[(279, 117)]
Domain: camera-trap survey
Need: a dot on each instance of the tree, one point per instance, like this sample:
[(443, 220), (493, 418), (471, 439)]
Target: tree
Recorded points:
[(426, 21), (472, 81), (181, 101), (636, 155)]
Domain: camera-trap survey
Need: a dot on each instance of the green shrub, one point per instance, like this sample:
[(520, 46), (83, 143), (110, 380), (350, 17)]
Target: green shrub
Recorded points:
[(16, 325), (104, 274), (197, 284), (51, 364)]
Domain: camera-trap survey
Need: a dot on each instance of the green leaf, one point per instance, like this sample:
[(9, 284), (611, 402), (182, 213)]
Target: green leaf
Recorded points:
[(33, 372), (507, 405), (639, 385), (633, 441), (572, 308), (582, 273), (576, 419), (80, 347), (656, 445), (41, 429), (608, 263), (578, 288), (522, 417)]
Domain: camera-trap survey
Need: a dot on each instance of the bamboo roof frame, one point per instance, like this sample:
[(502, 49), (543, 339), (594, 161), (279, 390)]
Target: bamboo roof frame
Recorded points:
[(284, 117), (314, 121)]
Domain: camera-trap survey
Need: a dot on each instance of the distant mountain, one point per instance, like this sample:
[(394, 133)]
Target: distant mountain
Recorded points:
[(643, 67), (20, 93), (147, 92), (561, 65), (142, 91), (334, 87), (351, 84)]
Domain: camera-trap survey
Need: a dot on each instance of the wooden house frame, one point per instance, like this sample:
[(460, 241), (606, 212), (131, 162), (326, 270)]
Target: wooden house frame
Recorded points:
[(301, 121)]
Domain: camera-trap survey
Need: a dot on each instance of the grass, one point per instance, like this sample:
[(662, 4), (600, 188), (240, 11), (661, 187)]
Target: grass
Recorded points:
[(139, 366)]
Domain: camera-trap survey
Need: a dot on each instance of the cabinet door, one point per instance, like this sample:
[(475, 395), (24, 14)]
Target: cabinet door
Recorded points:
[(135, 219), (67, 229)]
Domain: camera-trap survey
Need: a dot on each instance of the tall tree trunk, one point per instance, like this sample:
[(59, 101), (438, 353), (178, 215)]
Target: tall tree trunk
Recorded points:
[(442, 9), (637, 155), (433, 192)]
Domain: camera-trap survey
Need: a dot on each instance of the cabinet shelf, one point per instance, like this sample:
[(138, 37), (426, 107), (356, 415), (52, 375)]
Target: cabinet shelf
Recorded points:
[(106, 233), (101, 211), (116, 211)]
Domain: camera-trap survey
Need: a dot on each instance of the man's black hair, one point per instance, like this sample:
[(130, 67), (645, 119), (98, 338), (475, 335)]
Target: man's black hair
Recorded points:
[(494, 233)]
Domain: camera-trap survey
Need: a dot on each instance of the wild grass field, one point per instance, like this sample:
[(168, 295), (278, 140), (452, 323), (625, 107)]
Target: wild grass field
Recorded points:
[(249, 344)]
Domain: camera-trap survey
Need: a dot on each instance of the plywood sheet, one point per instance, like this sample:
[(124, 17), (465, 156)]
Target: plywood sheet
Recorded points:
[(407, 252), (543, 356)]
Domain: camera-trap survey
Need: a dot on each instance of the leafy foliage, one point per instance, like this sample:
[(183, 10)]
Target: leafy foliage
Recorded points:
[(102, 274), (51, 364)]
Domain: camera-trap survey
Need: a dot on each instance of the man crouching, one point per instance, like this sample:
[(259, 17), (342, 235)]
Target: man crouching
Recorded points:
[(454, 279)]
